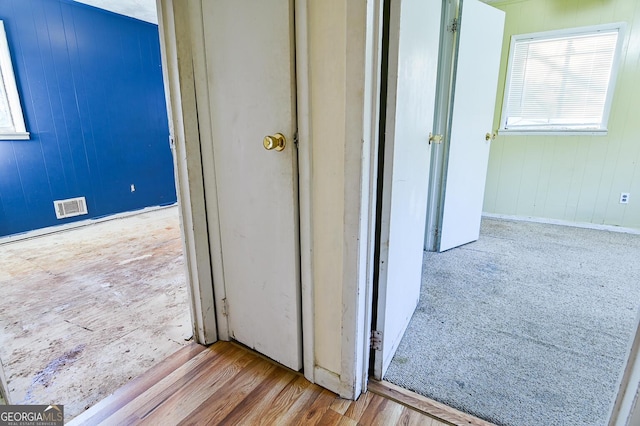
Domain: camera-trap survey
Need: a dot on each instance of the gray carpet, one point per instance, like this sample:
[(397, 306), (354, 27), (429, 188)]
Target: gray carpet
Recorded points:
[(529, 325)]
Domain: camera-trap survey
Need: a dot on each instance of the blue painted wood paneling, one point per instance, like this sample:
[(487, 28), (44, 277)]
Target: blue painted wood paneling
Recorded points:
[(91, 89)]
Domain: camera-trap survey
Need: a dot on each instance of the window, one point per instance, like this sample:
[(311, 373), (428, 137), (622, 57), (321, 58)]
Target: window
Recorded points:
[(11, 118), (561, 81)]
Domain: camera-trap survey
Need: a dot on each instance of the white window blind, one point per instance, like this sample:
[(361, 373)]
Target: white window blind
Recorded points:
[(561, 82)]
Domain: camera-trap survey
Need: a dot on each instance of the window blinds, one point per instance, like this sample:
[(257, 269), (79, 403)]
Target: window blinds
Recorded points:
[(561, 82)]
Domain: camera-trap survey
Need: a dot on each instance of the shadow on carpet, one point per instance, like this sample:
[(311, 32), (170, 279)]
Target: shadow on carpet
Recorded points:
[(530, 325)]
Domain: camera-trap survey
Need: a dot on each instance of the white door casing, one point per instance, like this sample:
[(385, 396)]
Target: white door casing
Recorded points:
[(177, 67), (251, 94), (414, 34), (474, 93)]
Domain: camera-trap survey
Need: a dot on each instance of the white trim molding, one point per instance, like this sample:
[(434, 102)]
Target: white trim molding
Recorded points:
[(178, 73), (362, 118), (18, 130), (305, 179), (79, 224), (586, 225), (626, 408)]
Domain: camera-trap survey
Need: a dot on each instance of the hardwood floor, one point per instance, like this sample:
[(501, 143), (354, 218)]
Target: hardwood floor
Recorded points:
[(228, 384)]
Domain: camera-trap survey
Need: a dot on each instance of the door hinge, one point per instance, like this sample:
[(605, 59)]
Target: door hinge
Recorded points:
[(453, 27), (437, 139), (376, 340), (225, 307)]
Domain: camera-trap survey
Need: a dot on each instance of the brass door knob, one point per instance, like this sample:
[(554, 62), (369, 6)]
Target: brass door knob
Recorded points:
[(490, 137), (276, 142)]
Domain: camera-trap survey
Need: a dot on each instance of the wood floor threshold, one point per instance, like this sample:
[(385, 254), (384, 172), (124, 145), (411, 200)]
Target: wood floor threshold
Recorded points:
[(424, 405), (226, 383)]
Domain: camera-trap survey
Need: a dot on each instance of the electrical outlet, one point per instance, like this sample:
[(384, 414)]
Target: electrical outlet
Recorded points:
[(624, 198)]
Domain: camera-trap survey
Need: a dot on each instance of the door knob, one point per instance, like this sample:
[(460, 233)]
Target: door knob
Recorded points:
[(490, 136), (276, 142)]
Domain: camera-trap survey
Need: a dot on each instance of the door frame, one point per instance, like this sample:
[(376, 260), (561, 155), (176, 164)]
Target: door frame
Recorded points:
[(363, 67), (181, 32), (625, 408), (179, 82), (439, 151)]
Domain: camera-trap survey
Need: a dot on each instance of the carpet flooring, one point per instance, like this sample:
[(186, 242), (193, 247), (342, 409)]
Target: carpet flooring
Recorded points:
[(529, 325)]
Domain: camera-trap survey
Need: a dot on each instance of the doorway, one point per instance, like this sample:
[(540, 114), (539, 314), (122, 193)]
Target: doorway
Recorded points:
[(86, 310), (421, 75), (72, 299), (459, 212)]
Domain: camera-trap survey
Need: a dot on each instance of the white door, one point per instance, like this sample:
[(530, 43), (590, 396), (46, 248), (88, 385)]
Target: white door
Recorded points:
[(414, 34), (475, 83), (249, 65)]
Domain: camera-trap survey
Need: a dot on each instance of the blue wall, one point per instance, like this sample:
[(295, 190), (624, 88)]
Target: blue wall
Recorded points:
[(90, 85)]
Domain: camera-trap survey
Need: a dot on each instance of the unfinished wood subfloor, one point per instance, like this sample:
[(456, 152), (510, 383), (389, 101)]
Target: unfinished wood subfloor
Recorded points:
[(85, 310), (227, 384)]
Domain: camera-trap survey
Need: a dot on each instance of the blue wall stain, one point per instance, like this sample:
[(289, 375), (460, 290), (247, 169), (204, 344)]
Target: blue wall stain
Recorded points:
[(91, 89)]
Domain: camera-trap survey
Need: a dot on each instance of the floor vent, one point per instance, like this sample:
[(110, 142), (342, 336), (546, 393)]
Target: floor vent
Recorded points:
[(71, 207)]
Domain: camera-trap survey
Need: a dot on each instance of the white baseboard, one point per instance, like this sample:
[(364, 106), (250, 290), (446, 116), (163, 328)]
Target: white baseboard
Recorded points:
[(73, 225), (548, 221), (327, 379)]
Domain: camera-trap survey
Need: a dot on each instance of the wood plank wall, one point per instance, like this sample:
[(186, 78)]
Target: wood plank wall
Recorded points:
[(571, 178)]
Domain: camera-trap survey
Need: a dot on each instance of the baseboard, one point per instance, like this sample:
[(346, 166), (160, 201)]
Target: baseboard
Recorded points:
[(73, 225), (544, 220), (327, 379)]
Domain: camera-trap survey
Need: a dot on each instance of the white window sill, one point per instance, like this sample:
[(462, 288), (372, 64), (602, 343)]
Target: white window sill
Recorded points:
[(512, 132), (14, 136)]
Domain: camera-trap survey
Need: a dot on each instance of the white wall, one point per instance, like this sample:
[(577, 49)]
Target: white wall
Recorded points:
[(571, 178), (343, 66)]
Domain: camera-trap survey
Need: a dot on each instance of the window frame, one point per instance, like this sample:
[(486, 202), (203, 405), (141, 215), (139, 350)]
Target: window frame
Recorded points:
[(9, 79), (577, 31)]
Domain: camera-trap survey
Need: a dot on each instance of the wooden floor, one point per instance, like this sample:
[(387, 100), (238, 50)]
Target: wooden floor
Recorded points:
[(228, 384)]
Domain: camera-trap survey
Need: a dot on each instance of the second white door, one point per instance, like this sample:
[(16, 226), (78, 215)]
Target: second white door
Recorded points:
[(414, 39), (475, 83)]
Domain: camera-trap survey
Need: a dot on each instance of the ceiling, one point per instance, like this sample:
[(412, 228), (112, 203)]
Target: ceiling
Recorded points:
[(144, 10)]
